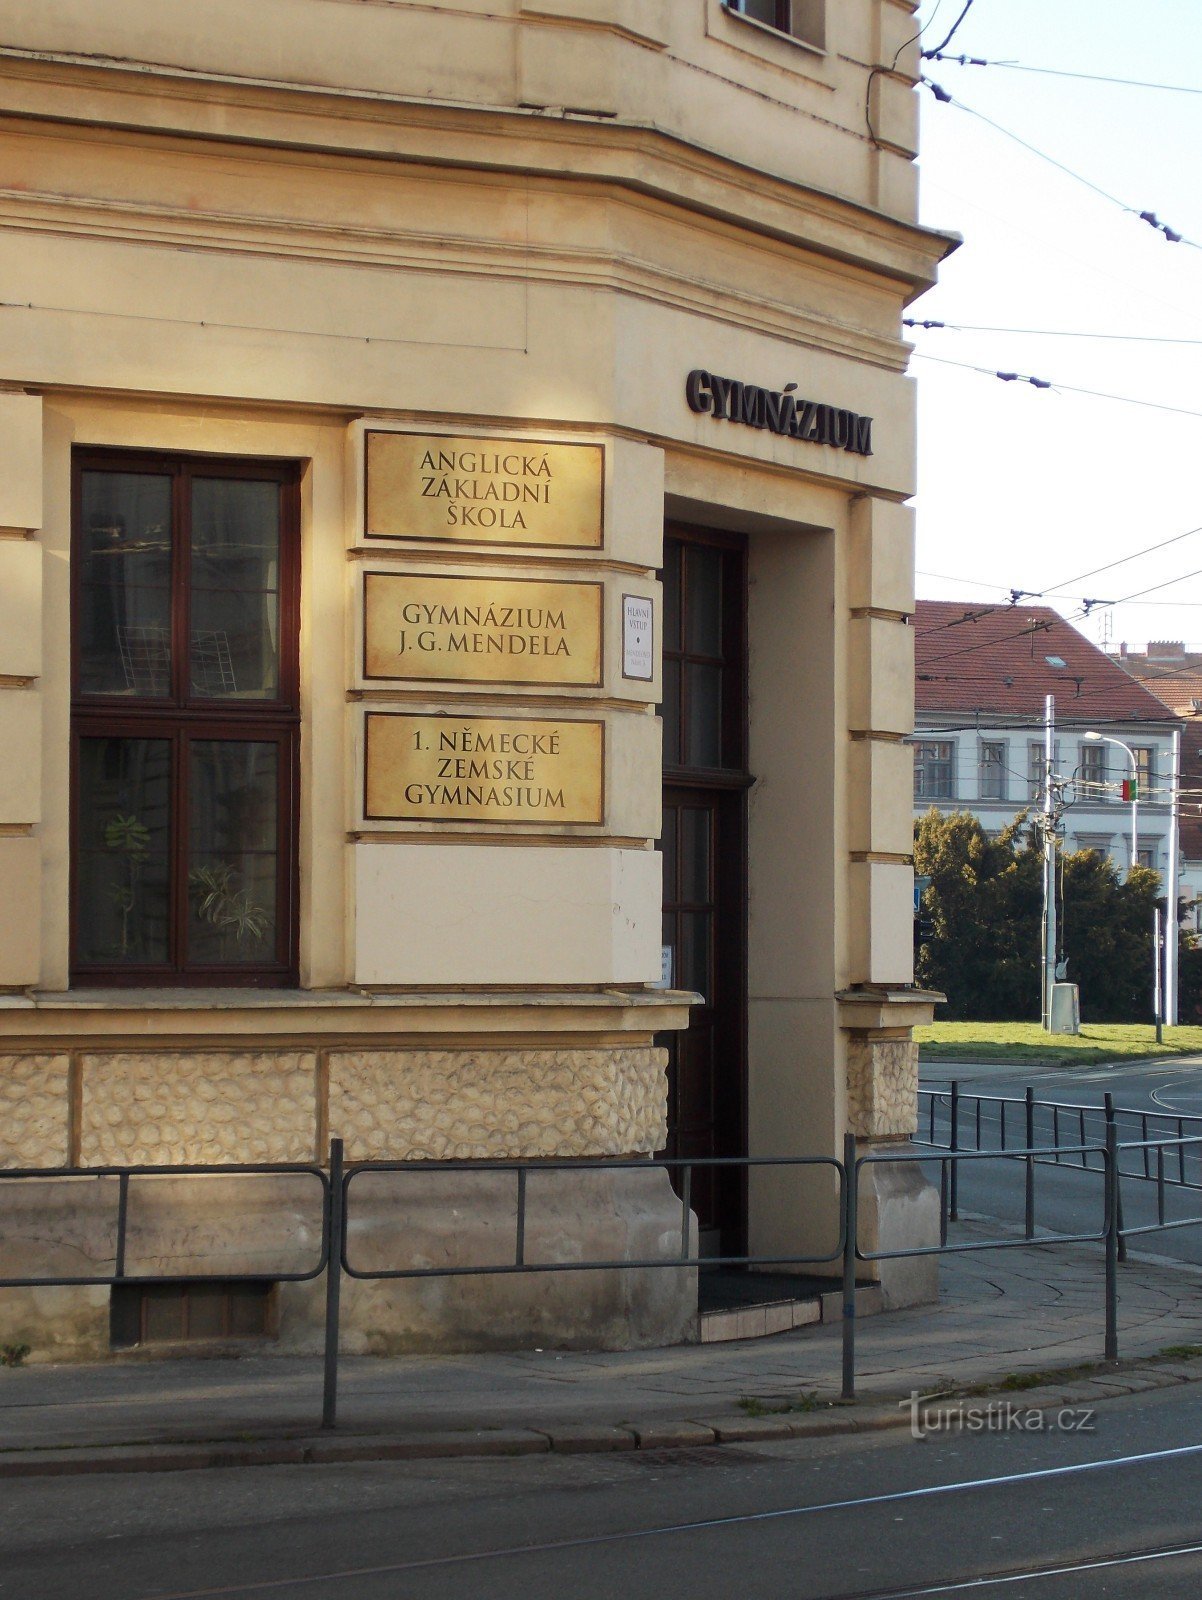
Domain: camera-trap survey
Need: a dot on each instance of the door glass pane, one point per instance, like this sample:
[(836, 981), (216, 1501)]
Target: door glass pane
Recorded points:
[(695, 856), (670, 712), (668, 846), (122, 854), (704, 732), (693, 957), (124, 618), (703, 602), (232, 854), (235, 589)]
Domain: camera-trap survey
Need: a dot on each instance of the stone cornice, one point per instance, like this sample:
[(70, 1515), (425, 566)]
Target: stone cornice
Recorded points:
[(541, 145)]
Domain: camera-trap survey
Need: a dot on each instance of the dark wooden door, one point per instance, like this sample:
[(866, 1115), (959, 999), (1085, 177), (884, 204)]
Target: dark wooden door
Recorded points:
[(705, 864)]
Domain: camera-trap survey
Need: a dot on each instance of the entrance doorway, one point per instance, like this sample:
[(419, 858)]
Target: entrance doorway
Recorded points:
[(704, 845)]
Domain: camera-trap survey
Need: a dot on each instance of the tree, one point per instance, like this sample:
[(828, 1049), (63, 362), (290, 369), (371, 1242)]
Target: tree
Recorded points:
[(983, 920), (983, 905)]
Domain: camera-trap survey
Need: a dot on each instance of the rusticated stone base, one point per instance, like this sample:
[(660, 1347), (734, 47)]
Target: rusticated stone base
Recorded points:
[(34, 1111), (198, 1106), (461, 1105), (882, 1085), (202, 1107)]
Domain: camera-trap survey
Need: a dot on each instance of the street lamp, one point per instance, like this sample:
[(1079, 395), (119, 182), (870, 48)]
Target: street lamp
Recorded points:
[(1105, 738)]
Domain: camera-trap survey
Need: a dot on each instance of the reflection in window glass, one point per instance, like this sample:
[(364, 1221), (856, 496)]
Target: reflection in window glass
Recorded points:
[(703, 602), (704, 733), (124, 621), (122, 851), (232, 851), (235, 601)]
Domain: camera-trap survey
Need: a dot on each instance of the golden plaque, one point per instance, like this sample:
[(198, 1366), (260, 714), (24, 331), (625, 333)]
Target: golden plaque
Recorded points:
[(483, 491), (427, 768), (481, 630)]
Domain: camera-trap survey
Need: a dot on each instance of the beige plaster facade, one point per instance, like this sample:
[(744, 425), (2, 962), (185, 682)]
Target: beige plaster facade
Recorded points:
[(265, 232)]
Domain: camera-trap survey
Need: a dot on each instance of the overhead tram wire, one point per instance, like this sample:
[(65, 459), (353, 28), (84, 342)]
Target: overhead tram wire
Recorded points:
[(1061, 72), (1060, 588), (1122, 561), (1043, 625), (933, 324), (1005, 590), (1049, 383), (892, 67), (1150, 217)]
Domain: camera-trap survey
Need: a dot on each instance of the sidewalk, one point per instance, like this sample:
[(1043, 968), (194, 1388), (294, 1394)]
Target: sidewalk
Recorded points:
[(1001, 1313)]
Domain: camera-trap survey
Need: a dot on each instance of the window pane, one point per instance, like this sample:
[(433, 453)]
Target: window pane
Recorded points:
[(232, 851), (123, 851), (124, 618), (235, 589), (695, 856), (704, 733), (703, 602)]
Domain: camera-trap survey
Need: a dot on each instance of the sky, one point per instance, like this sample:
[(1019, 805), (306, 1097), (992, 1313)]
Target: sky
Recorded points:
[(1031, 488)]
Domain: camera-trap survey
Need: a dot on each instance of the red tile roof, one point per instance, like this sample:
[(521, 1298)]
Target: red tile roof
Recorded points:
[(994, 659)]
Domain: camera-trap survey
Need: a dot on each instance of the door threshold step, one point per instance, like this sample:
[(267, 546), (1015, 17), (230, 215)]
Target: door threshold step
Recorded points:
[(782, 1316)]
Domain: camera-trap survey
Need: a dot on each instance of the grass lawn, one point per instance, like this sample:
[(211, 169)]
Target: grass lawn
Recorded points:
[(1026, 1042)]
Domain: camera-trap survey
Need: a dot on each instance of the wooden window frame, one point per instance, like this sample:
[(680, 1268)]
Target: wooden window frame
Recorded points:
[(182, 718), (732, 771)]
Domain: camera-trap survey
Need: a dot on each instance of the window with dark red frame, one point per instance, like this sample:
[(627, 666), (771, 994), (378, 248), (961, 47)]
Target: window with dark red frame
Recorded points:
[(185, 719)]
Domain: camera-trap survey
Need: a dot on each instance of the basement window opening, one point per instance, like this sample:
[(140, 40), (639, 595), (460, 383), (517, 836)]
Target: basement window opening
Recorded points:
[(182, 1312)]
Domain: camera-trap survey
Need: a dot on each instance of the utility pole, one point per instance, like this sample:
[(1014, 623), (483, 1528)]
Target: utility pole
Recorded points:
[(1170, 934), (1049, 858)]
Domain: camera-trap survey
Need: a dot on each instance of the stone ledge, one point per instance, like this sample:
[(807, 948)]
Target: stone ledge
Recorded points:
[(151, 1017)]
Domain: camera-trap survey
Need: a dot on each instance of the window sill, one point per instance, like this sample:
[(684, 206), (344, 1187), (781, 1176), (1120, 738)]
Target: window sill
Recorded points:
[(769, 32), (223, 1019)]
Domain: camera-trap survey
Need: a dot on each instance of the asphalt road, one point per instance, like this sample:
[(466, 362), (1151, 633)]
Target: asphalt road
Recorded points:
[(1055, 1514), (1069, 1199)]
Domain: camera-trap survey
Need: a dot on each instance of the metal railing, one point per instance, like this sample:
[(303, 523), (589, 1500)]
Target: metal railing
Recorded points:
[(954, 1120), (339, 1181)]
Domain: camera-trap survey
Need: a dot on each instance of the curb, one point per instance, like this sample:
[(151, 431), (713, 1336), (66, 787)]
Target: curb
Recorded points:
[(831, 1421)]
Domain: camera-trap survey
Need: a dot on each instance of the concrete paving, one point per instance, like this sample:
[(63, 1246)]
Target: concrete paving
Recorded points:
[(1001, 1313)]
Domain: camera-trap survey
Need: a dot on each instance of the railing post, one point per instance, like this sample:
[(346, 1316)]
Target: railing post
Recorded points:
[(954, 1144), (1111, 1122), (850, 1228), (1112, 1242), (944, 1196), (1029, 1207), (334, 1233), (122, 1223)]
